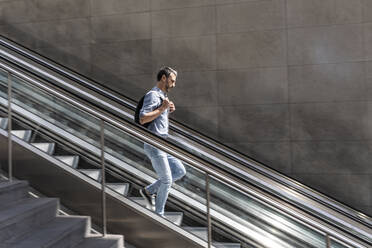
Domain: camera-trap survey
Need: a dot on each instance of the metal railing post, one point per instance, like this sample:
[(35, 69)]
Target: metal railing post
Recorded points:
[(104, 232), (208, 211), (328, 241), (10, 154)]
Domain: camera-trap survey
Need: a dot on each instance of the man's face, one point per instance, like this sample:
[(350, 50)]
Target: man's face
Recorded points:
[(170, 82)]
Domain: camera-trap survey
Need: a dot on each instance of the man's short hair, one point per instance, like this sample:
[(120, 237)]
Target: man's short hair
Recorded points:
[(166, 70)]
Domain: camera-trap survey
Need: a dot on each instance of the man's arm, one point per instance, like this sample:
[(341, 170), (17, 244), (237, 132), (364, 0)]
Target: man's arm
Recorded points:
[(150, 116)]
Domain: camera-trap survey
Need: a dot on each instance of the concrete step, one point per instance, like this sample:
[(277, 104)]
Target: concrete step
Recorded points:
[(26, 215), (121, 188), (141, 201), (92, 173), (72, 161), (32, 222), (175, 217), (45, 147), (12, 191), (25, 135), (201, 232), (62, 232), (109, 241), (22, 134)]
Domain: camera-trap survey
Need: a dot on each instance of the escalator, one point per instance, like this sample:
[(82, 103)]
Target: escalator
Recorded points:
[(72, 139)]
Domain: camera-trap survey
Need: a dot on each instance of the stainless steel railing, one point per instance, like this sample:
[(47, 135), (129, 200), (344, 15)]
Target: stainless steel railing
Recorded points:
[(316, 225), (10, 155), (241, 162)]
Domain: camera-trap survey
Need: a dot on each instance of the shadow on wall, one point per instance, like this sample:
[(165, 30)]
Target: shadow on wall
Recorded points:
[(78, 58), (75, 57)]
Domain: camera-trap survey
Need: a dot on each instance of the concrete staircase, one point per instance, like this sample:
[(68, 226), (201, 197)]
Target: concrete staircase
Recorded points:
[(28, 222)]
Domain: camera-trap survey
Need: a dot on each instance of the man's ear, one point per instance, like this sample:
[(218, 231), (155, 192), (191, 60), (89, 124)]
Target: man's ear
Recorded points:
[(164, 78)]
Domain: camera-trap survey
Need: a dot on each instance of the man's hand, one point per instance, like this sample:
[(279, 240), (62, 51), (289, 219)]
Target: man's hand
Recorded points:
[(165, 104), (172, 107)]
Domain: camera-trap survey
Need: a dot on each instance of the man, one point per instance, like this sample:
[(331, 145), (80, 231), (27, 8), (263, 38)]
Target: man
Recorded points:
[(155, 110)]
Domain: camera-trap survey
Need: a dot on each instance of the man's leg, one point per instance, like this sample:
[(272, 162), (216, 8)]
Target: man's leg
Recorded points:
[(174, 170), (152, 152), (148, 192), (163, 184), (177, 168), (161, 187)]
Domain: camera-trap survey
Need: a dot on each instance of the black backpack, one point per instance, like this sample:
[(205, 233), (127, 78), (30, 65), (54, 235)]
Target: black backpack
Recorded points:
[(137, 113), (138, 110)]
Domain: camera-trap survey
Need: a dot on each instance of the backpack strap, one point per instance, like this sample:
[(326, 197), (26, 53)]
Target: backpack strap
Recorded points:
[(161, 98), (140, 105)]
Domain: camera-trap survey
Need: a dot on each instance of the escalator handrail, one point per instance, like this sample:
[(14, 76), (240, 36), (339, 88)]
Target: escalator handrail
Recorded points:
[(291, 188), (179, 152), (242, 160)]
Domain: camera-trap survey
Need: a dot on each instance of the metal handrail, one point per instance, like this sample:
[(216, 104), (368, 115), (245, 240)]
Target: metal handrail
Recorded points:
[(242, 160), (103, 165), (10, 154), (149, 138), (331, 214)]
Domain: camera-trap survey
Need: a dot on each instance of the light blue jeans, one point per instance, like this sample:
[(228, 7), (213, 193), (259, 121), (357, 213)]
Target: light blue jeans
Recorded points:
[(169, 169)]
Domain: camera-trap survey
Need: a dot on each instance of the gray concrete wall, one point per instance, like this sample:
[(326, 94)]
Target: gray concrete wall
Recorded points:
[(288, 82)]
